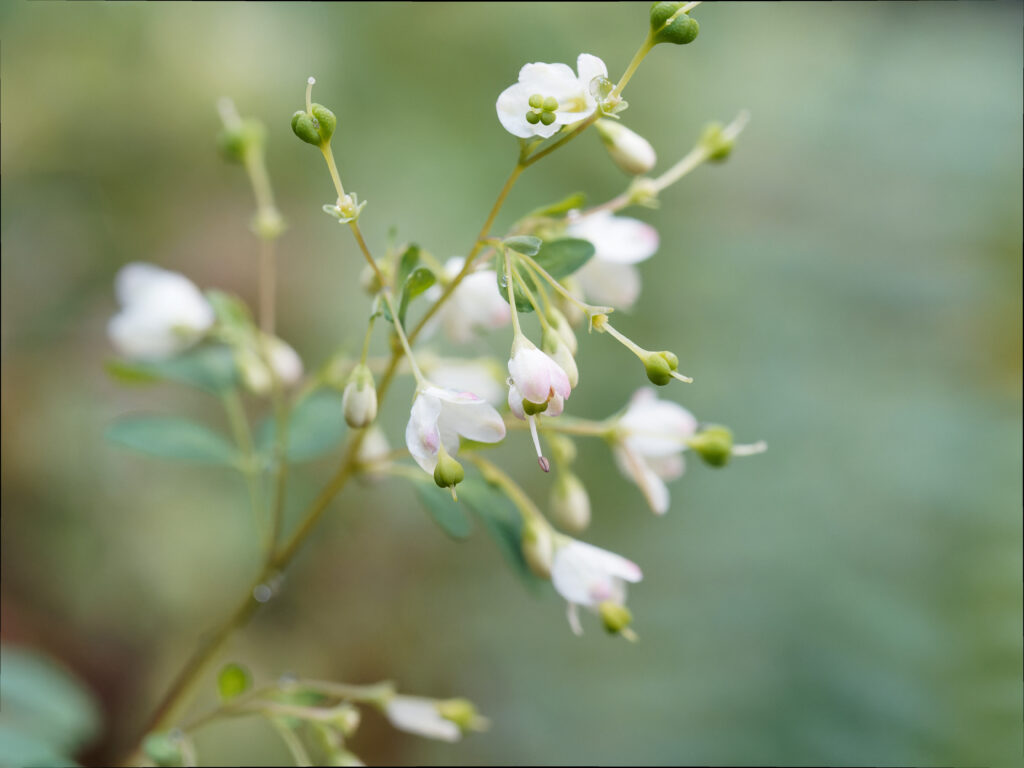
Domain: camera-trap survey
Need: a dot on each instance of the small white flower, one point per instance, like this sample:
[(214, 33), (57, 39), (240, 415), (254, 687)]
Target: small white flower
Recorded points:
[(651, 437), (252, 362), (537, 377), (619, 243), (162, 313), (421, 716), (439, 416), (549, 96), (475, 305), (588, 576), (482, 376)]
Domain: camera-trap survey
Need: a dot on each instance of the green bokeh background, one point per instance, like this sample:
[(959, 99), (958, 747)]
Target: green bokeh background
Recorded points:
[(847, 287)]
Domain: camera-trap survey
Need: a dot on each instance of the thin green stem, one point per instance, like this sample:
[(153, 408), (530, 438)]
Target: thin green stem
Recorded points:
[(638, 57), (531, 298), (517, 331), (580, 128), (516, 494), (325, 149), (243, 439), (292, 741), (589, 309)]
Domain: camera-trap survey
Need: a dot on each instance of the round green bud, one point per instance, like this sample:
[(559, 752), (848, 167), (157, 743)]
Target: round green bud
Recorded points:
[(662, 12), (680, 30), (614, 616), (459, 711), (659, 370), (532, 409), (537, 547), (448, 471), (162, 749), (243, 137), (716, 144), (305, 127), (326, 120), (714, 444)]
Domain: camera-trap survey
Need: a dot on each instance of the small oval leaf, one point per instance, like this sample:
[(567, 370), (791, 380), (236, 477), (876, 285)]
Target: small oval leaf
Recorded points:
[(525, 244), (172, 438), (560, 258)]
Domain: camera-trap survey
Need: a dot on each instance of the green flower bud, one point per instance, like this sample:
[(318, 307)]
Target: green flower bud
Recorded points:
[(662, 12), (570, 504), (241, 138), (659, 368), (680, 29), (448, 473), (717, 145), (714, 444), (163, 749), (563, 449), (314, 128), (462, 712), (614, 616), (537, 547)]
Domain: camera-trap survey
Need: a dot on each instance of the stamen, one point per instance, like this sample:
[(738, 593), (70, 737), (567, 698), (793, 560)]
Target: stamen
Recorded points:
[(309, 94), (544, 463), (675, 375)]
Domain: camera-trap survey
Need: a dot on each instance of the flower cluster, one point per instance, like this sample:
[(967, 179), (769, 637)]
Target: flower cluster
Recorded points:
[(566, 266)]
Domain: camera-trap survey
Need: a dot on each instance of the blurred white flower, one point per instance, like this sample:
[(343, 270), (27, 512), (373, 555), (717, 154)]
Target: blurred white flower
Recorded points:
[(537, 377), (549, 96), (481, 376), (591, 577), (619, 243), (162, 313), (651, 436), (421, 716), (630, 151), (475, 305), (439, 416), (252, 362)]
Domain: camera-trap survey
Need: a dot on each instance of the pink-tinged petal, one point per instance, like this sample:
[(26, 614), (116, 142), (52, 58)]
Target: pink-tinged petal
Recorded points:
[(515, 402), (559, 378), (529, 368), (555, 406), (422, 436), (465, 414), (617, 239), (656, 427), (636, 468), (604, 282), (587, 575)]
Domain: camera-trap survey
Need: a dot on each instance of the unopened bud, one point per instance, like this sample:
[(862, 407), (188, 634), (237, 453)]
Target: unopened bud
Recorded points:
[(346, 719), (659, 367), (537, 547), (448, 473), (615, 616), (360, 399), (463, 713), (670, 25), (570, 504), (716, 143), (630, 151), (558, 350), (241, 138), (560, 323), (714, 444)]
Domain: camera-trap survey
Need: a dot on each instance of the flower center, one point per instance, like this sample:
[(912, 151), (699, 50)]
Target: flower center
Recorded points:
[(542, 109)]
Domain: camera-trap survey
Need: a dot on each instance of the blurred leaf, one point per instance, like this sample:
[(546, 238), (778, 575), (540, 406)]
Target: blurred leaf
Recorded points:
[(46, 713), (210, 368), (566, 204), (502, 521), (230, 310), (406, 264), (560, 258), (233, 680), (162, 749), (445, 510), (526, 244), (171, 437), (417, 282), (315, 427)]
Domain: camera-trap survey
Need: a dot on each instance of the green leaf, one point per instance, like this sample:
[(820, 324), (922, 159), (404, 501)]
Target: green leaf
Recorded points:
[(162, 750), (522, 302), (210, 368), (233, 680), (417, 282), (171, 437), (502, 521), (406, 264), (46, 713), (526, 244), (231, 311), (315, 427), (445, 510), (574, 201), (560, 258)]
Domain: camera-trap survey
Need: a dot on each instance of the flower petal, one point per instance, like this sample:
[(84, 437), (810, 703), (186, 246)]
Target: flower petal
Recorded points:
[(531, 372), (422, 436), (603, 282), (419, 715), (617, 239), (468, 415)]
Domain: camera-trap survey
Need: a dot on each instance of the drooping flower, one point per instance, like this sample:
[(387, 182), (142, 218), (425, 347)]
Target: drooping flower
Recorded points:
[(421, 716), (651, 436), (620, 242), (593, 578), (549, 96), (536, 376), (162, 313), (475, 305), (439, 416)]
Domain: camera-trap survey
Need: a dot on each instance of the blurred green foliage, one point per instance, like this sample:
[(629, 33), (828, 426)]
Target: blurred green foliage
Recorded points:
[(847, 286)]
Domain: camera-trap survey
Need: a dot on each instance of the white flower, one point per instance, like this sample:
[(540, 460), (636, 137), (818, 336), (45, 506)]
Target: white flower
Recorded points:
[(162, 313), (536, 377), (651, 437), (475, 305), (252, 363), (549, 96), (421, 716), (481, 376), (630, 151), (619, 243), (439, 416), (373, 454), (588, 576)]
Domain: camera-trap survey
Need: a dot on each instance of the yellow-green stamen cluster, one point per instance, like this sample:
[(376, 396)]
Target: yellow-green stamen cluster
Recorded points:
[(542, 110)]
